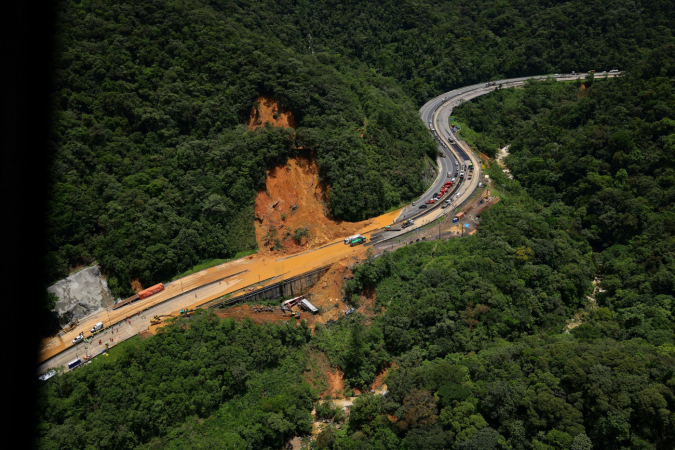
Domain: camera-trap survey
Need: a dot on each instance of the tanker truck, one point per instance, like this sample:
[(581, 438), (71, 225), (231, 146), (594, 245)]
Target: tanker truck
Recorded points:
[(351, 238)]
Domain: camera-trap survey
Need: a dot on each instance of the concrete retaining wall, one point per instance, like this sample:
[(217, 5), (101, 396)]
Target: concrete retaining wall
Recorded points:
[(291, 287)]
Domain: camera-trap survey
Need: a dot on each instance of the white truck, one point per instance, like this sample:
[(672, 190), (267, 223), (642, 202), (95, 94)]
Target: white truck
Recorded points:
[(307, 306), (98, 326)]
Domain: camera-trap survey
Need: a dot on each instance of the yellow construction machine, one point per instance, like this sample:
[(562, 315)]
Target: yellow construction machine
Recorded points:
[(70, 326), (158, 319), (295, 314)]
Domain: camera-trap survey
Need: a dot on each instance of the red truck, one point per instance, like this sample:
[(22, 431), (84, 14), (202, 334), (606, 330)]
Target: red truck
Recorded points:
[(145, 293)]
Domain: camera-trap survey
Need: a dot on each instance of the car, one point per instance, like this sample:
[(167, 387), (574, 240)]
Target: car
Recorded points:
[(429, 202), (456, 163), (423, 206), (458, 194), (435, 195), (456, 174), (614, 71), (413, 203), (78, 339), (453, 180), (556, 74)]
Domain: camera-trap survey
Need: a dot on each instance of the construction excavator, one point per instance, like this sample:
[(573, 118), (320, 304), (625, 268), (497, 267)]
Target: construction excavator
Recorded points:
[(295, 314), (158, 319), (187, 312), (70, 326)]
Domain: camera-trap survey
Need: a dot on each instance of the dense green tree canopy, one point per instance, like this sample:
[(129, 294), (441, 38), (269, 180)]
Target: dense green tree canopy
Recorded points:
[(153, 168), (604, 148)]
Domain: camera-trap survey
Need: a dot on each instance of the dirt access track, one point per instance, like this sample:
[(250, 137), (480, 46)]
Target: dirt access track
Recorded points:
[(293, 191)]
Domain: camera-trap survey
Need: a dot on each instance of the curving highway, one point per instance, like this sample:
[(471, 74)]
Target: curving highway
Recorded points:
[(436, 116)]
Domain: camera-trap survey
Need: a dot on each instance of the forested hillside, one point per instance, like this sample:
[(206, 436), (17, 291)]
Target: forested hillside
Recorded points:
[(432, 46), (153, 168), (474, 324), (605, 149)]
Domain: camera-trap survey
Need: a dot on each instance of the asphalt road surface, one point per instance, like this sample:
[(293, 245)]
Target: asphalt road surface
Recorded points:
[(436, 114)]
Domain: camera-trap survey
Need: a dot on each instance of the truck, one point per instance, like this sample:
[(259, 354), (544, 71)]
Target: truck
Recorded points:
[(351, 238), (292, 302), (48, 375), (70, 326), (74, 363), (307, 306), (469, 164), (357, 241), (98, 326), (461, 174), (145, 293), (459, 216)]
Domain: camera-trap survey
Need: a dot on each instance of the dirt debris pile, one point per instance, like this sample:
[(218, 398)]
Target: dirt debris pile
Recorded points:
[(268, 111), (292, 213)]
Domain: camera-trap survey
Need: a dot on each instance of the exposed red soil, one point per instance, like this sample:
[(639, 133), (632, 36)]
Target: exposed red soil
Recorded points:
[(336, 383), (485, 158), (367, 305), (327, 292), (379, 377), (294, 199), (136, 285), (266, 111)]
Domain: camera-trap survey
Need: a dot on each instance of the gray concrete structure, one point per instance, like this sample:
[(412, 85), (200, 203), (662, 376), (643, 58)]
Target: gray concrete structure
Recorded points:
[(82, 294)]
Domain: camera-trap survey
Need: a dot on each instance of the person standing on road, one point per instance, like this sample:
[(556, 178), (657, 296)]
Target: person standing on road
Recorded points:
[(99, 342)]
